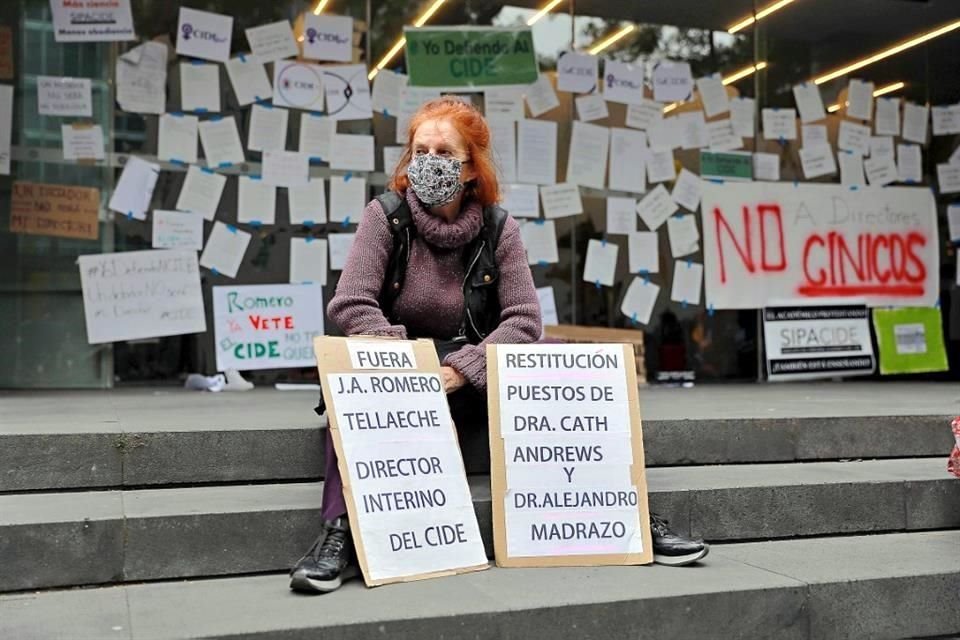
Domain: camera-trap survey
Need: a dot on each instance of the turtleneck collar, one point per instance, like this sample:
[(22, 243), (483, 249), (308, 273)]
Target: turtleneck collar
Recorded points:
[(440, 233)]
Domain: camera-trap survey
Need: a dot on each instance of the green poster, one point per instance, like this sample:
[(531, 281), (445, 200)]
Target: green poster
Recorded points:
[(910, 340), (458, 57), (736, 166)]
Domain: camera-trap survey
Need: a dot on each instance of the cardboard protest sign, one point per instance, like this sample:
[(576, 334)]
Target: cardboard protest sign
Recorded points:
[(267, 326), (767, 241), (910, 340), (141, 294), (410, 508), (58, 210), (566, 456), (808, 342)]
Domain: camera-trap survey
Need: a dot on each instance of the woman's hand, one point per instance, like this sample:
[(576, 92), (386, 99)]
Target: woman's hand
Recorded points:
[(452, 380)]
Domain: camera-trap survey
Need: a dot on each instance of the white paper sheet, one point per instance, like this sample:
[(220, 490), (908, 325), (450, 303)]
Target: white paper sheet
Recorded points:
[(249, 79), (860, 99), (391, 158), (177, 138), (910, 163), (915, 119), (84, 142), (134, 190), (272, 41), (600, 266), (639, 301), (316, 136), (817, 161), (953, 221), (308, 204), (779, 124), (672, 81), (628, 160), (75, 21), (622, 82), (347, 92), (644, 252), (851, 169), (298, 85), (201, 34), (224, 250), (621, 215), (766, 166), (576, 72), (882, 146), (411, 98), (536, 152), (339, 244), (587, 159), (686, 190), (888, 116), (656, 207), (503, 147), (743, 111), (561, 200), (644, 114), (660, 166), (591, 107), (328, 37), (814, 135), (308, 260), (684, 236), (268, 128), (687, 282), (286, 168), (141, 76), (548, 306), (199, 87), (854, 137), (201, 192), (540, 240), (221, 142), (388, 88), (256, 201), (541, 97), (713, 94), (881, 170), (504, 103), (809, 102), (177, 230), (521, 200), (61, 96), (351, 152), (946, 119), (693, 130), (348, 198), (665, 134), (722, 136)]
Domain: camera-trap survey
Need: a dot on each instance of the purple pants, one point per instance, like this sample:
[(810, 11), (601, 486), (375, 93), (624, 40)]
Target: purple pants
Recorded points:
[(468, 407)]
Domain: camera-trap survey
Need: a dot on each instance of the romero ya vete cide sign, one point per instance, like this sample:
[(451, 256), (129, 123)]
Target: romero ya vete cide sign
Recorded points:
[(406, 489), (806, 342), (566, 451)]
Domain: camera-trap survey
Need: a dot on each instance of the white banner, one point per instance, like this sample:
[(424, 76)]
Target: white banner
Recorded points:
[(92, 20), (141, 294), (267, 326), (766, 242)]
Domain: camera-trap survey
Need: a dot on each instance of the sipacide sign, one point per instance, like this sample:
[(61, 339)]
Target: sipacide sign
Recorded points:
[(765, 242)]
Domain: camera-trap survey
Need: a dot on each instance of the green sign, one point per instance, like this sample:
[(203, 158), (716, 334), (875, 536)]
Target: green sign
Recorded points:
[(457, 57), (736, 166), (910, 340)]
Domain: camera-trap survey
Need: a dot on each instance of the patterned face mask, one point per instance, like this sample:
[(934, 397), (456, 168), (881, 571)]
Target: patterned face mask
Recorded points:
[(435, 179)]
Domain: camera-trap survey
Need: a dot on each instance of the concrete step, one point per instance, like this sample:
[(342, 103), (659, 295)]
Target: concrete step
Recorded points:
[(227, 445), (64, 539), (880, 586)]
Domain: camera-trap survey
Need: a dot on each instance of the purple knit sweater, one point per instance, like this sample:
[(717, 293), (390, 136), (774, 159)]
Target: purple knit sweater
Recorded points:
[(430, 305)]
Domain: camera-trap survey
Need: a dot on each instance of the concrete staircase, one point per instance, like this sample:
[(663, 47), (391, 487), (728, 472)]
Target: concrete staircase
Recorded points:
[(829, 507)]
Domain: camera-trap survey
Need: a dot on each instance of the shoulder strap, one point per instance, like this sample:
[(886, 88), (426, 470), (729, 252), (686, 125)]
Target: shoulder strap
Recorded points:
[(494, 219), (400, 222)]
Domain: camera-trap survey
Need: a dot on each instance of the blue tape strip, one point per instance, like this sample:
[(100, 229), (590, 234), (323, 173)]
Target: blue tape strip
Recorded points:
[(256, 176), (633, 319), (689, 263), (796, 183), (315, 159), (224, 165), (264, 104), (346, 222), (198, 63), (316, 114), (200, 110), (386, 112), (542, 263), (912, 182), (256, 224), (309, 239), (937, 304), (129, 215), (598, 285), (214, 271), (854, 187), (242, 57), (603, 243), (715, 180), (216, 118), (347, 177), (646, 279), (231, 228), (176, 114), (540, 221), (782, 141), (308, 223), (684, 304), (178, 161), (206, 170), (711, 311)]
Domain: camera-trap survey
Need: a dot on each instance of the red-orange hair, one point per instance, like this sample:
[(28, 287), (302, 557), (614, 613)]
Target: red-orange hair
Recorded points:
[(472, 127)]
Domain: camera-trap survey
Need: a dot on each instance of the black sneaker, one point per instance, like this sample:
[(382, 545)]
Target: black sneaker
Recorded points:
[(671, 549), (329, 561)]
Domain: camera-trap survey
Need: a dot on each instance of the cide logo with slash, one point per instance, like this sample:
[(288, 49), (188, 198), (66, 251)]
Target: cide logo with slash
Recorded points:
[(189, 32)]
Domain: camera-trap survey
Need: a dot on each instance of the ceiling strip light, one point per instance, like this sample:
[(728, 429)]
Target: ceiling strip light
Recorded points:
[(763, 13), (395, 49), (613, 38), (886, 53), (550, 6), (890, 88), (321, 5)]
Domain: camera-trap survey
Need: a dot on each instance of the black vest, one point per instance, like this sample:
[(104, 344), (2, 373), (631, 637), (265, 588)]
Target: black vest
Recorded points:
[(481, 303)]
